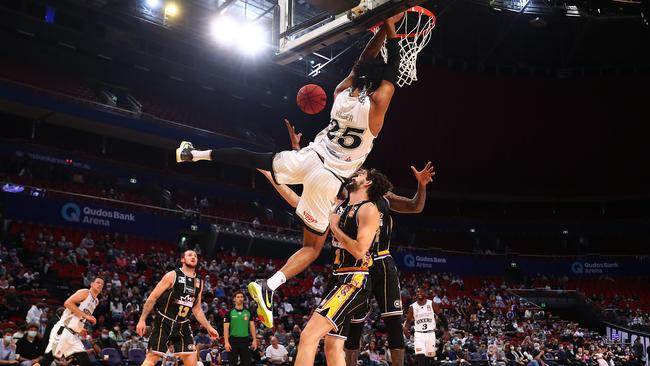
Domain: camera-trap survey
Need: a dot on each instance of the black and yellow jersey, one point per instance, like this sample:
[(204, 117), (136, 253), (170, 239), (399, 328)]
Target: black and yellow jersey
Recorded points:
[(381, 246), (177, 301), (344, 262)]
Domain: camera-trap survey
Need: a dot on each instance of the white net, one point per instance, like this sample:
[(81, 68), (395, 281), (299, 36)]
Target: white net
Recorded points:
[(414, 31)]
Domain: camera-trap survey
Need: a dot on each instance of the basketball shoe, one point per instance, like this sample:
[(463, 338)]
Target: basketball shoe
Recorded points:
[(263, 296), (184, 152)]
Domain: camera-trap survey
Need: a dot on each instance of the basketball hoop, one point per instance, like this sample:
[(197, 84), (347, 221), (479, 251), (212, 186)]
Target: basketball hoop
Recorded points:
[(414, 32)]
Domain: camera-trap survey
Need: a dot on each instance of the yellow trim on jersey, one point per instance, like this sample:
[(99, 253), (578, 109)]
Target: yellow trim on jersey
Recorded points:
[(180, 330), (160, 333), (384, 252), (351, 269), (385, 285), (339, 298)]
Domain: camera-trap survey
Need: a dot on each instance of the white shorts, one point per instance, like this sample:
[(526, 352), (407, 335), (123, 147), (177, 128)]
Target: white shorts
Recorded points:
[(424, 343), (65, 344), (320, 186)]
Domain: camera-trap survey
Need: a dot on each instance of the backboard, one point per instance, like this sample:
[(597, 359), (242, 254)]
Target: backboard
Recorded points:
[(301, 28)]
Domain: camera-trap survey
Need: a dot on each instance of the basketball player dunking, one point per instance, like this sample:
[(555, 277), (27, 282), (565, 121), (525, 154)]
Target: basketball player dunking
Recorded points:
[(360, 103), (64, 338), (383, 274), (177, 293), (423, 313)]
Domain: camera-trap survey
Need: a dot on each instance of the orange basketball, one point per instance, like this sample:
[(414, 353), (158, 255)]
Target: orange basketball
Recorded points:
[(311, 99)]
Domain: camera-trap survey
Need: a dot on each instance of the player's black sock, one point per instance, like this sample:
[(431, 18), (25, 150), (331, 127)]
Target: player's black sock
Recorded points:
[(82, 358), (47, 359), (243, 157)]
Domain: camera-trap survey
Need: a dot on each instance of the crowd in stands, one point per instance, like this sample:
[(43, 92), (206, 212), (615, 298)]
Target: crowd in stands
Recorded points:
[(481, 323), (67, 178)]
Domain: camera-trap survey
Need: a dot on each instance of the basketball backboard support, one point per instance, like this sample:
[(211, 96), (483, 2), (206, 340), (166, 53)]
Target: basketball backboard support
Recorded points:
[(297, 38)]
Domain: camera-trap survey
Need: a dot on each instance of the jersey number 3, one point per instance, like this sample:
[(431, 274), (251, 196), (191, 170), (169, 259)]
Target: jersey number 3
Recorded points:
[(349, 139), (183, 310)]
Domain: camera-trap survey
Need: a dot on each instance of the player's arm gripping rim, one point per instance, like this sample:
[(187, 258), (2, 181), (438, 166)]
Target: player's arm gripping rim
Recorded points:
[(369, 219), (416, 204), (166, 282), (200, 316), (72, 302), (371, 51)]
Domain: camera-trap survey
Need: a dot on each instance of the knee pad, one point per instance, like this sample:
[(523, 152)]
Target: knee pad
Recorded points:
[(395, 335)]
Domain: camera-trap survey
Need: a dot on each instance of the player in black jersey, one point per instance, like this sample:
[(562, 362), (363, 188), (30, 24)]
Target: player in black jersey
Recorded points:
[(177, 293), (384, 274), (354, 225)]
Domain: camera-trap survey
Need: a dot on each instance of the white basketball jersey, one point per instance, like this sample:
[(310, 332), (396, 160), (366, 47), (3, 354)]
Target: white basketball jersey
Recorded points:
[(71, 321), (425, 318), (347, 141)]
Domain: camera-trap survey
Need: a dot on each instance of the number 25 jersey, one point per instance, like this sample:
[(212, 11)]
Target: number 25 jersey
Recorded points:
[(346, 142)]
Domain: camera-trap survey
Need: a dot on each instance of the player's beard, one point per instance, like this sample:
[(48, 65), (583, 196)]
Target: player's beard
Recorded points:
[(352, 186), (190, 266)]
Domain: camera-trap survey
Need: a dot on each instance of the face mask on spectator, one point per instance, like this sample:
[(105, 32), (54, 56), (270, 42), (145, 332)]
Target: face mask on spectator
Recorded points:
[(8, 339), (104, 336), (32, 333)]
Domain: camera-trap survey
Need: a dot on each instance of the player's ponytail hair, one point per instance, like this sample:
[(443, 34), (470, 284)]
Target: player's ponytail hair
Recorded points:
[(380, 184), (367, 74)]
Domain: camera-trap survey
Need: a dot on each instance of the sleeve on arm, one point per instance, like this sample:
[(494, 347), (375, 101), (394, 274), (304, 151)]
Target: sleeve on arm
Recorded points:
[(226, 318)]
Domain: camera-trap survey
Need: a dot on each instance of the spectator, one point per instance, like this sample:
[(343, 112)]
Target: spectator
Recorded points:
[(34, 314), (30, 347), (104, 341), (281, 334), (117, 309), (132, 342), (276, 354), (202, 340), (373, 356), (87, 242), (116, 335), (8, 348), (213, 358)]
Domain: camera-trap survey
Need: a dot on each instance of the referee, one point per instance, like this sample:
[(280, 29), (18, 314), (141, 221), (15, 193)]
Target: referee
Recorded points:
[(238, 329)]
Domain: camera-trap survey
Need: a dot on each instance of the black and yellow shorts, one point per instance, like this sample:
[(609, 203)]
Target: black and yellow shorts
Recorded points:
[(385, 286), (166, 332), (346, 301)]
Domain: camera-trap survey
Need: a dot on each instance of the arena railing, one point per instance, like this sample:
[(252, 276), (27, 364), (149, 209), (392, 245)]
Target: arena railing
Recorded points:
[(121, 111), (224, 224)]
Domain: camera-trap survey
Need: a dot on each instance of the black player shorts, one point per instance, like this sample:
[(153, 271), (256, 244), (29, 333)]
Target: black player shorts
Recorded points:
[(385, 286), (347, 299), (166, 332)]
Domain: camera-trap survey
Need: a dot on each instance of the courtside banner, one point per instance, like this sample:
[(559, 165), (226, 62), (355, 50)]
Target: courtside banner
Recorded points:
[(496, 265), (88, 215)]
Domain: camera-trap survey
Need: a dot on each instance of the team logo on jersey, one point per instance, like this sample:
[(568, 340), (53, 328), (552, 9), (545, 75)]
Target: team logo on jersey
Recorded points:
[(398, 304), (429, 307), (309, 218), (187, 300), (181, 280), (245, 317)]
